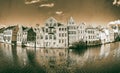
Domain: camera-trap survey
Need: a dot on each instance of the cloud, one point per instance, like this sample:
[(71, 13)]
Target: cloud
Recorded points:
[(114, 22), (116, 2), (59, 12), (47, 5), (32, 1)]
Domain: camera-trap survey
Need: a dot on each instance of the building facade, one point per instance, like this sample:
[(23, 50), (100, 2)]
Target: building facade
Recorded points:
[(10, 34), (39, 36), (21, 38), (31, 37), (72, 31), (82, 32), (92, 36)]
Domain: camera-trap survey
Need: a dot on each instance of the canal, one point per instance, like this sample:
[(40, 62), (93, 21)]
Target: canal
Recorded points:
[(102, 59)]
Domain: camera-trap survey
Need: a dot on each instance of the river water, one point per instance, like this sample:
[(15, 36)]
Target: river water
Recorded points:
[(101, 59)]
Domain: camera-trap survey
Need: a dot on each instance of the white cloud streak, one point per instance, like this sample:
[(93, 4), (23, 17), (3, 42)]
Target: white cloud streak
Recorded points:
[(31, 1), (59, 12), (50, 5), (116, 2)]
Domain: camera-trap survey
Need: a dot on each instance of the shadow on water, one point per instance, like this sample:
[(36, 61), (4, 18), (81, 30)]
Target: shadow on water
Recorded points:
[(79, 51)]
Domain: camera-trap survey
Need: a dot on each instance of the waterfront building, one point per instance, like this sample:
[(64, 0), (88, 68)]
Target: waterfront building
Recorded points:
[(50, 33), (31, 37), (55, 34), (1, 34), (112, 35), (62, 35), (92, 35), (104, 35), (10, 34), (72, 31), (39, 36), (116, 28), (21, 38), (81, 32)]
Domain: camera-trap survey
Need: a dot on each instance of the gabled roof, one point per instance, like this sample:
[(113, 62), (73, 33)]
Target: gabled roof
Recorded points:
[(51, 19), (27, 29), (59, 24), (89, 27), (71, 21), (2, 30), (24, 28), (10, 27)]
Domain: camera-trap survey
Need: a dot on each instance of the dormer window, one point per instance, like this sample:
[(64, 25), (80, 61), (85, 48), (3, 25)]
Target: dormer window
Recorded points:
[(46, 24), (50, 24), (51, 20)]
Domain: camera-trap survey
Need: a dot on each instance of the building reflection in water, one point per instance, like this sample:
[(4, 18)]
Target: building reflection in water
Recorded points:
[(7, 52), (51, 58), (59, 60), (22, 56), (104, 51), (117, 52)]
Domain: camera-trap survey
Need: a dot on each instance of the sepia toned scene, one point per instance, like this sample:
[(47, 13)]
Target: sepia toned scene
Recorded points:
[(59, 36)]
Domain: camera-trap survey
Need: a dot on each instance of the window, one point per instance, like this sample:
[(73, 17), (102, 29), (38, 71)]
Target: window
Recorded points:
[(46, 24), (62, 40), (46, 37), (65, 29), (89, 37), (54, 31), (46, 30), (74, 27), (59, 40), (54, 37), (62, 29), (50, 36), (50, 24), (59, 29), (51, 20), (59, 34), (41, 37), (62, 34), (65, 34), (72, 22), (37, 37)]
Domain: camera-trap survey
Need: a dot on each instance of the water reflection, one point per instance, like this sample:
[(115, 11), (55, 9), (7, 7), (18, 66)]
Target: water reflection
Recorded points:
[(104, 51), (22, 56), (15, 59)]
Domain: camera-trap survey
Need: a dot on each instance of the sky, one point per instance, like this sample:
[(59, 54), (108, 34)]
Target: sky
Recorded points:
[(32, 12)]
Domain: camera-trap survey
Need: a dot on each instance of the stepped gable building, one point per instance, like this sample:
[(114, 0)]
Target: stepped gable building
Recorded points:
[(72, 31), (55, 34)]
